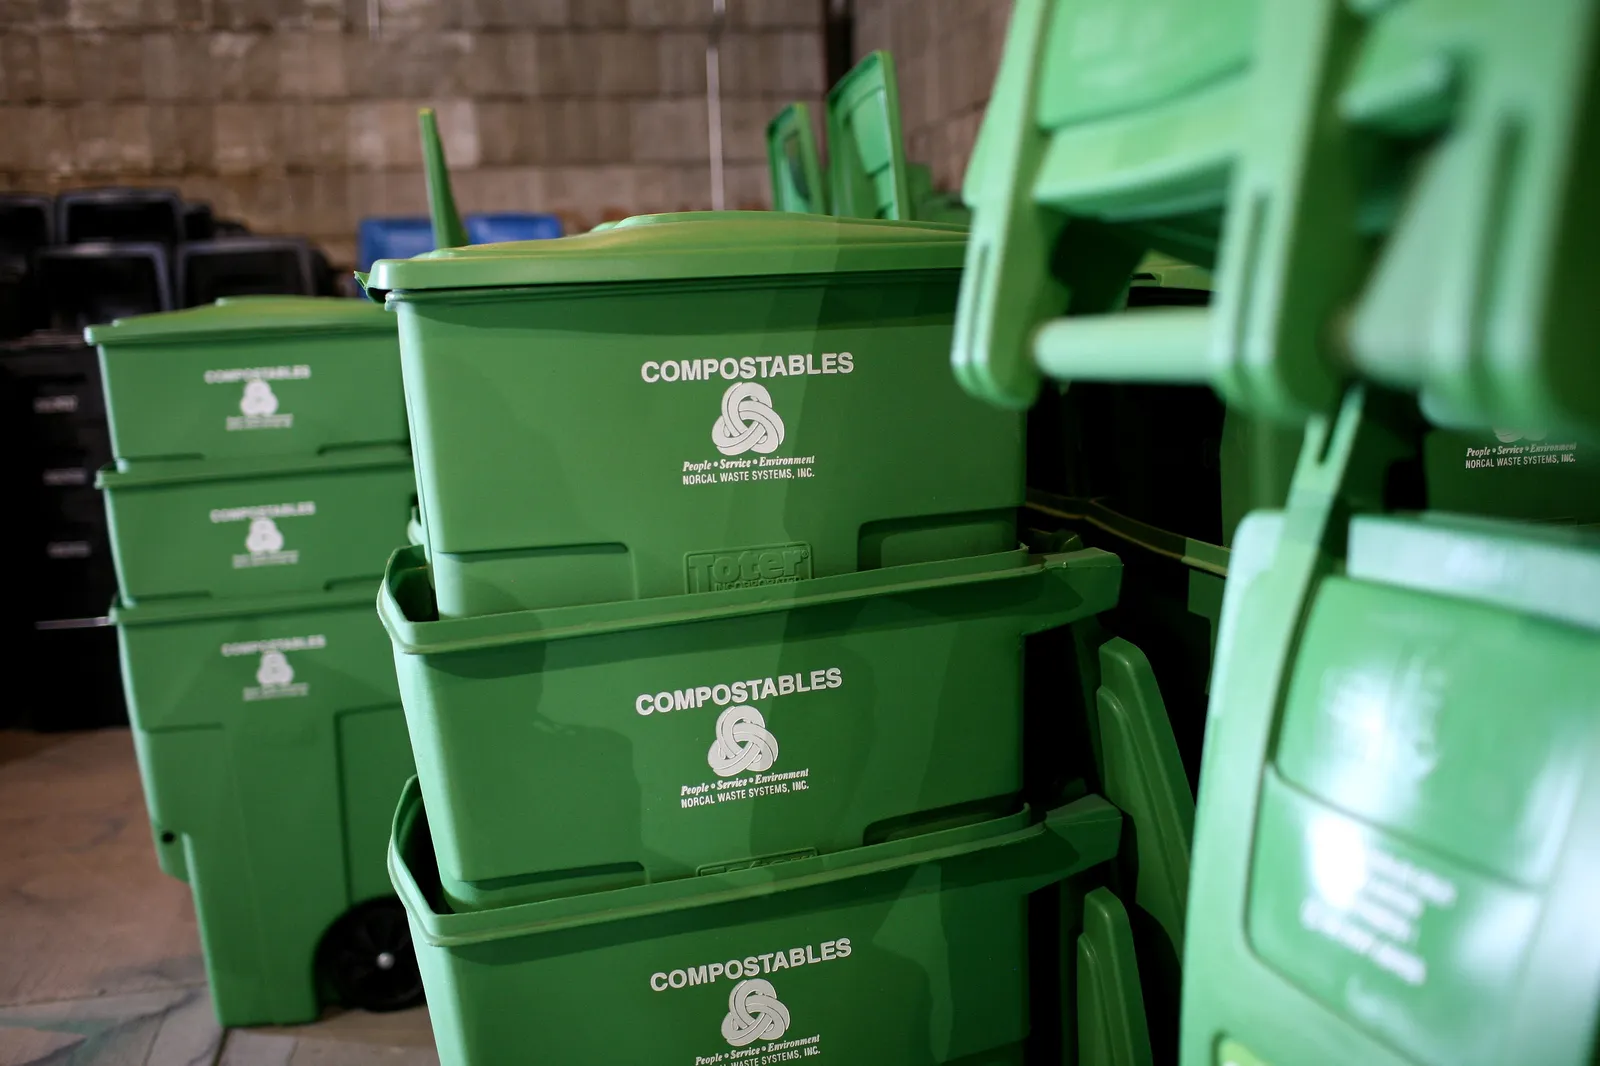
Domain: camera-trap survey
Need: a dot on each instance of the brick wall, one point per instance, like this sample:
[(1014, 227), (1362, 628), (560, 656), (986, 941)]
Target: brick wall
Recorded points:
[(297, 116), (946, 53)]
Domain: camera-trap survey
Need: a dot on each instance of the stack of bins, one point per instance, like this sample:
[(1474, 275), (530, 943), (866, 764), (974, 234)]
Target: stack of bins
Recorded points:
[(262, 475), (1395, 859), (712, 659), (53, 430)]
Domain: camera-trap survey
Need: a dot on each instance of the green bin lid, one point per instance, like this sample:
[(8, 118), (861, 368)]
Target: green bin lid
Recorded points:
[(719, 244), (205, 608), (156, 473), (237, 315)]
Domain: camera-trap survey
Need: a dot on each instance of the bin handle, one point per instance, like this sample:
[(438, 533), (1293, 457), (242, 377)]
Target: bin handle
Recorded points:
[(1167, 345), (448, 232)]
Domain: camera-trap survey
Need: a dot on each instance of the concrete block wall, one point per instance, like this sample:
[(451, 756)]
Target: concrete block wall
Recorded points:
[(298, 116), (946, 53)]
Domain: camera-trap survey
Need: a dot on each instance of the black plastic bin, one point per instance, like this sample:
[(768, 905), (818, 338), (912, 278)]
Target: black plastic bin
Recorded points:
[(86, 284)]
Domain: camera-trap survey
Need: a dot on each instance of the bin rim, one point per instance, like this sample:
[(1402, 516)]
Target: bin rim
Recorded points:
[(153, 473), (239, 317), (1065, 841), (353, 593), (667, 247), (1079, 569)]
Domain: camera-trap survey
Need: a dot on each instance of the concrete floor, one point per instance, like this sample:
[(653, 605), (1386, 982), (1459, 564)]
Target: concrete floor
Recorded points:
[(99, 959)]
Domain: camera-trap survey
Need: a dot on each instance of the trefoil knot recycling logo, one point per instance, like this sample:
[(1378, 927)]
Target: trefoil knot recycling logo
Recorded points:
[(1511, 436), (754, 1013), (747, 423), (264, 537), (274, 669), (258, 399), (742, 743)]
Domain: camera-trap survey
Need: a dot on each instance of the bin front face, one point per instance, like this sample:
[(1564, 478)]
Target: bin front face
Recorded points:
[(924, 962), (873, 974), (590, 442), (252, 377), (658, 752), (299, 530)]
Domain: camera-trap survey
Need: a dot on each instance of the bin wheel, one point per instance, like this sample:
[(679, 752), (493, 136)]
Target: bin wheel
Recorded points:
[(368, 960)]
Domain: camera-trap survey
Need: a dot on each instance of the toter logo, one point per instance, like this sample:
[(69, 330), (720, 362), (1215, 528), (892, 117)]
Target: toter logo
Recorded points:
[(754, 1013), (743, 743), (747, 423)]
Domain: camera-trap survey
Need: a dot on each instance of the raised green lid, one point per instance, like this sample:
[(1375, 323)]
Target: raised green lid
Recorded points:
[(236, 315), (719, 244), (798, 182), (867, 171)]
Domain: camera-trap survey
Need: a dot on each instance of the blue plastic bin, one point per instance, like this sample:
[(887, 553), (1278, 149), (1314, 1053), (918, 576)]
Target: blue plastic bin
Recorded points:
[(392, 238), (511, 226)]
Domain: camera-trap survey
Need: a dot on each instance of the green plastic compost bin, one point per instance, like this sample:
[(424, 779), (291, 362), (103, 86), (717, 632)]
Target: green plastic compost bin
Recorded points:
[(272, 747), (252, 376), (622, 743), (663, 408), (253, 527), (1395, 856), (915, 951)]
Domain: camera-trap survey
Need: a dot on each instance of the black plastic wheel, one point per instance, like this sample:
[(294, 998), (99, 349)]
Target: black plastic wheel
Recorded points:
[(367, 958)]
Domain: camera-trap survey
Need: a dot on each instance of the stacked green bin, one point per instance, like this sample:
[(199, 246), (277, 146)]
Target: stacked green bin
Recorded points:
[(261, 478), (251, 377), (690, 407), (926, 949), (1394, 859), (254, 527), (718, 729)]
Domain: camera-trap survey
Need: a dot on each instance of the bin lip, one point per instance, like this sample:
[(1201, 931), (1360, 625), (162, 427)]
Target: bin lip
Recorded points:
[(1067, 840), (356, 593), (151, 473), (546, 624), (238, 316), (685, 246)]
